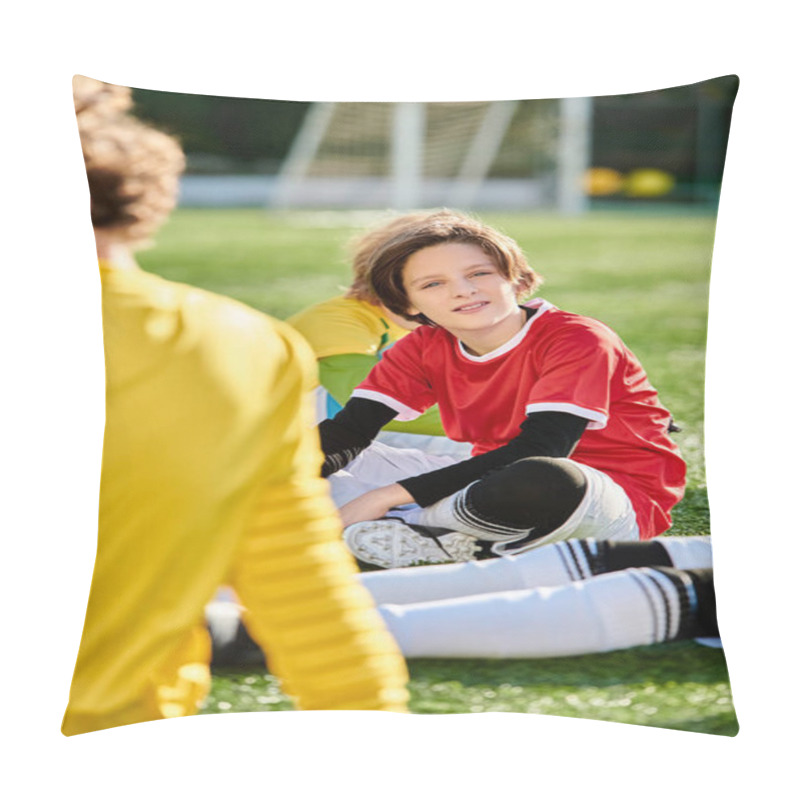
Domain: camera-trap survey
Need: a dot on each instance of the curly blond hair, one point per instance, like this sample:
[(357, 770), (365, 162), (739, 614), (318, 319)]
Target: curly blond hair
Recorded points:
[(133, 172), (103, 99)]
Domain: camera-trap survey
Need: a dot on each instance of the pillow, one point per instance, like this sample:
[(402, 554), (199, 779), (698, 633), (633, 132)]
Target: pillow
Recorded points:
[(613, 200)]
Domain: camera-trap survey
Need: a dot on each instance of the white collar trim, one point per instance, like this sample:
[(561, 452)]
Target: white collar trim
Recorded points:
[(539, 306)]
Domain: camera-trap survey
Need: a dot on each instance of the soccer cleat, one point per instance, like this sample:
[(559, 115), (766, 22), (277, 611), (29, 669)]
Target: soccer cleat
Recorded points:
[(392, 543)]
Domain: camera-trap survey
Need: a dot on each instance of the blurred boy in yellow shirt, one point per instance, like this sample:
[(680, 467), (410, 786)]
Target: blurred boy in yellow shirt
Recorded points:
[(209, 477)]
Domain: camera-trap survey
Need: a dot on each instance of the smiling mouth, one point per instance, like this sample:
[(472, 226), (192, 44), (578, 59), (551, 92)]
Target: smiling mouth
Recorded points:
[(472, 306)]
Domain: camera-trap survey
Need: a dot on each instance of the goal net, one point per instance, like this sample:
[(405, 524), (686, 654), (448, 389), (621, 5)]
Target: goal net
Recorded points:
[(499, 154)]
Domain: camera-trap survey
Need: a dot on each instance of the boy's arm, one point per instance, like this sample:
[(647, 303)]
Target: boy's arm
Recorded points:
[(552, 434), (340, 374), (351, 431), (544, 433)]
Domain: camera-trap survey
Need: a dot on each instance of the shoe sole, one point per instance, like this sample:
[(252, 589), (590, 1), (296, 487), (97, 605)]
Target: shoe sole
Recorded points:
[(389, 543)]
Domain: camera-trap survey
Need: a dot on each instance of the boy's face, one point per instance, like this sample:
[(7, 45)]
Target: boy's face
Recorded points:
[(459, 287)]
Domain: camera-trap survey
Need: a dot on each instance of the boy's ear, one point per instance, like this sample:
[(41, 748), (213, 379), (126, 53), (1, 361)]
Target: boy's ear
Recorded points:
[(412, 311)]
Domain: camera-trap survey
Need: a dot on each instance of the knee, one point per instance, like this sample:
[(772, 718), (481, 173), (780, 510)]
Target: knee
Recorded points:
[(535, 492)]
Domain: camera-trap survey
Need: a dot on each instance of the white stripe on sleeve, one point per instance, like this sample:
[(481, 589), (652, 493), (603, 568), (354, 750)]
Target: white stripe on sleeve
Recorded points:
[(404, 413), (597, 421)]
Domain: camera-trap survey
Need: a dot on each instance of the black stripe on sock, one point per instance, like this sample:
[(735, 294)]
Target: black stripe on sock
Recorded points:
[(642, 578), (595, 553), (688, 605), (567, 556), (584, 551)]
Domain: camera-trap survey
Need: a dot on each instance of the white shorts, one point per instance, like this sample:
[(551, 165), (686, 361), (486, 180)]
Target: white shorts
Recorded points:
[(429, 444), (379, 465)]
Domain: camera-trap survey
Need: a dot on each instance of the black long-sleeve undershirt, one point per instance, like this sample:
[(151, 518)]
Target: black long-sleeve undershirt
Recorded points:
[(351, 431), (543, 433)]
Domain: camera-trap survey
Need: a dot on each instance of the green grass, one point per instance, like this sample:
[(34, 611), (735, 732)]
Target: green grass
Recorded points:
[(645, 275), (680, 685)]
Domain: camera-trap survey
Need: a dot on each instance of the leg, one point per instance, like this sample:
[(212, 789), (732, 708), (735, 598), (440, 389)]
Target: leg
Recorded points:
[(533, 502), (523, 502), (610, 612), (551, 565), (530, 503)]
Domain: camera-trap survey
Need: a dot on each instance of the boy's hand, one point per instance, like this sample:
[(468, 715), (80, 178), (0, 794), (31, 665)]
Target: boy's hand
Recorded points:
[(374, 504)]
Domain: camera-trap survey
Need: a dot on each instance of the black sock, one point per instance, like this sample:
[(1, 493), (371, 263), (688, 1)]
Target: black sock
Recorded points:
[(606, 556), (703, 580), (583, 558)]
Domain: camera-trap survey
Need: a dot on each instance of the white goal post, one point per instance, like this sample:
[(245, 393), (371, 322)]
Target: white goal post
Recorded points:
[(498, 154)]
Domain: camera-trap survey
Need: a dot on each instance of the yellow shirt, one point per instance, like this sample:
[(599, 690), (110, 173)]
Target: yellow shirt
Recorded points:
[(344, 325), (348, 337), (210, 477)]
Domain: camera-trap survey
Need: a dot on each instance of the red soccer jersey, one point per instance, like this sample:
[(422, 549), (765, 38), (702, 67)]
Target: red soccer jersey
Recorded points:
[(558, 362)]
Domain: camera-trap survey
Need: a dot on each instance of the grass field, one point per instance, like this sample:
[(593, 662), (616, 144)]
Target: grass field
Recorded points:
[(645, 275)]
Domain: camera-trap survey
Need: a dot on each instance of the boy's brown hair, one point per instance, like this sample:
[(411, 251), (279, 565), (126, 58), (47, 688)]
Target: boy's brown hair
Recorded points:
[(395, 243), (367, 244)]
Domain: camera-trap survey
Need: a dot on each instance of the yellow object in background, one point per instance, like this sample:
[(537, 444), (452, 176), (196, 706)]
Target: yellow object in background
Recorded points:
[(648, 183), (602, 181)]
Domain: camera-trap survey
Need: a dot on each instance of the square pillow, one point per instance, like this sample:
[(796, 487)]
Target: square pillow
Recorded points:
[(221, 583)]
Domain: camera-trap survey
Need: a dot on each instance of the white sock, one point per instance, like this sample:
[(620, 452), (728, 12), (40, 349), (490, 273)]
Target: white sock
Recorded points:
[(608, 612), (688, 552)]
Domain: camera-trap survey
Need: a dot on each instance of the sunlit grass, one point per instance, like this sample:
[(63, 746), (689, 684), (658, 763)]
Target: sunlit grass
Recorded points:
[(681, 685)]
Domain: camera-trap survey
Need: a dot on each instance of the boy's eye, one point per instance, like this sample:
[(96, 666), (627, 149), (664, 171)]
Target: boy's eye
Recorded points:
[(432, 283)]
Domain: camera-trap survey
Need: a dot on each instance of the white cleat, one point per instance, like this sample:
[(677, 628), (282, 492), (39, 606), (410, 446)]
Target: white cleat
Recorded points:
[(392, 543)]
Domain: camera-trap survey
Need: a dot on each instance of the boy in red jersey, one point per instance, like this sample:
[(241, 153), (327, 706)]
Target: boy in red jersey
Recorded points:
[(569, 438)]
